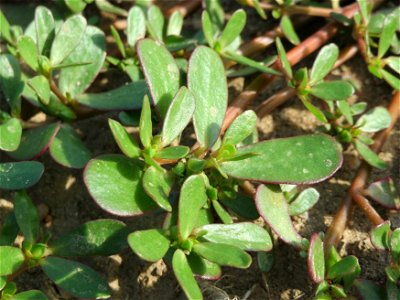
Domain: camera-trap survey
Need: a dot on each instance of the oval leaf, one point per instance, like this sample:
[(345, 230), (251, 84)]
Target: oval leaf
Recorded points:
[(233, 28), (316, 259), (161, 73), (114, 181), (158, 185), (10, 80), (150, 245), (20, 175), (324, 63), (370, 156), (41, 86), (136, 25), (345, 266), (174, 152), (28, 51), (241, 128), (11, 258), (191, 200), (223, 254), (207, 82), (99, 237), (203, 267), (301, 159), (304, 201), (76, 278), (68, 150), (34, 142), (384, 192), (288, 30), (91, 49), (273, 208), (30, 295), (333, 90), (27, 216), (125, 141), (178, 116), (10, 133), (246, 236), (44, 27), (374, 120), (380, 236), (184, 275)]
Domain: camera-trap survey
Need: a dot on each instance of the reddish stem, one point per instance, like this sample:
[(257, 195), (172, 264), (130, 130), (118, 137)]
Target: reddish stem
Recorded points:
[(185, 8)]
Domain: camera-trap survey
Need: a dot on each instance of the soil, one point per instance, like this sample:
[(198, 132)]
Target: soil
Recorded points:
[(62, 190)]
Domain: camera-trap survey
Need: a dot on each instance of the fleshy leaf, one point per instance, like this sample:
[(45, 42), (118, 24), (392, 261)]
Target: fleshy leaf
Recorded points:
[(41, 86), (76, 278), (374, 120), (184, 275), (99, 237), (273, 208), (127, 97), (44, 27), (203, 267), (391, 79), (344, 267), (136, 25), (34, 142), (30, 295), (283, 59), (191, 200), (394, 63), (67, 38), (150, 245), (384, 192), (178, 116), (91, 48), (243, 60), (288, 30), (173, 152), (395, 246), (324, 63), (368, 289), (175, 24), (5, 32), (243, 206), (208, 29), (155, 22), (207, 82), (304, 201), (295, 160), (380, 236), (9, 230), (27, 49), (223, 254), (161, 73), (145, 124), (333, 90), (316, 259), (241, 128), (10, 81), (388, 31), (221, 212), (246, 236), (114, 181), (10, 134), (27, 216), (233, 28), (11, 258), (20, 175), (76, 6), (370, 156), (125, 141), (158, 184)]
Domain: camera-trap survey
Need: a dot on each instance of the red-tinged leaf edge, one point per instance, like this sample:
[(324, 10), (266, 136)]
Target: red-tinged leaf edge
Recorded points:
[(310, 261), (387, 178), (370, 235)]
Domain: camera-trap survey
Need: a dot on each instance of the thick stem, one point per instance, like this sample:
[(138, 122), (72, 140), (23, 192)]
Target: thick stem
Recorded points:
[(343, 213), (57, 92), (303, 10)]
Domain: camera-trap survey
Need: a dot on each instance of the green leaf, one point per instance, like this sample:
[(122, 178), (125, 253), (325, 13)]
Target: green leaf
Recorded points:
[(344, 267), (129, 96), (241, 128), (114, 181), (158, 184), (370, 156), (233, 28), (393, 273), (91, 48), (295, 160), (391, 79), (175, 24), (246, 236), (384, 192), (221, 212), (118, 41), (216, 13), (106, 6), (27, 216), (178, 115), (304, 201), (10, 134), (155, 23), (161, 73), (44, 27), (100, 237), (192, 198), (243, 206), (67, 38), (249, 62), (358, 108), (395, 245), (273, 208), (324, 63), (316, 259), (184, 275), (333, 90), (20, 175), (41, 86), (75, 278), (288, 30), (9, 230), (136, 25), (389, 30), (174, 152), (394, 63), (30, 295), (11, 258), (223, 254), (380, 236), (374, 120), (287, 69), (207, 82), (28, 50), (5, 31), (10, 81), (34, 142), (125, 141), (145, 125), (76, 6), (368, 289), (345, 109), (203, 267), (150, 245), (207, 28)]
